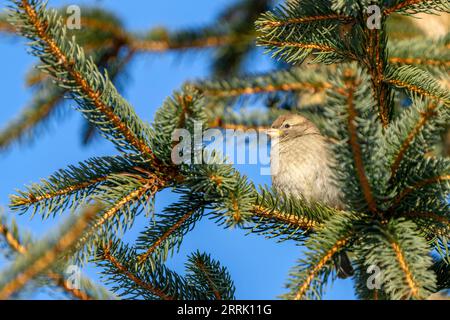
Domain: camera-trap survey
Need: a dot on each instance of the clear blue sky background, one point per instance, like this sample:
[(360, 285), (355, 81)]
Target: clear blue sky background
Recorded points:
[(258, 266)]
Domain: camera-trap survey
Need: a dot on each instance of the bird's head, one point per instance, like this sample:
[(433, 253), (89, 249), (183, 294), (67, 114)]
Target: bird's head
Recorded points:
[(291, 126)]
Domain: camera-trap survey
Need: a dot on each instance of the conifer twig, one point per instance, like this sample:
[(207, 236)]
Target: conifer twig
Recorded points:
[(281, 23), (416, 187), (143, 257), (139, 44), (419, 61), (11, 240), (316, 46), (376, 64), (219, 93), (404, 4), (199, 263), (17, 201), (404, 266), (424, 117), (169, 45), (388, 221), (142, 45), (416, 89), (6, 27), (134, 196), (95, 96), (64, 243), (218, 123), (431, 216), (59, 280), (29, 118), (302, 223), (356, 148), (159, 292), (325, 259)]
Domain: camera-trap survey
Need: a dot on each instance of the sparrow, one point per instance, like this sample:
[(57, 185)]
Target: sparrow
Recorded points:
[(301, 164)]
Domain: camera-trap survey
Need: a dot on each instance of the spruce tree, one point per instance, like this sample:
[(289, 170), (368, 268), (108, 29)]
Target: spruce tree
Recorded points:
[(381, 98)]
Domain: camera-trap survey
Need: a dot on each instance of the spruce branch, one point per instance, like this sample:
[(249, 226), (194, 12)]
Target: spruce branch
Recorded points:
[(218, 123), (407, 141), (356, 148), (318, 267), (402, 256), (418, 186), (441, 244), (404, 266), (350, 103), (11, 235), (42, 255), (442, 270), (166, 233), (427, 62), (300, 20), (437, 225), (49, 98), (185, 41), (5, 26), (244, 119), (276, 215), (308, 279), (14, 243), (429, 54), (299, 86), (123, 202), (247, 119), (42, 106), (152, 41), (292, 13), (295, 79), (174, 228), (205, 278), (421, 196), (416, 6), (235, 209), (99, 101), (290, 221), (69, 187), (417, 82), (106, 255), (278, 89), (296, 52), (294, 31), (375, 62), (425, 115), (394, 193), (209, 277), (184, 110)]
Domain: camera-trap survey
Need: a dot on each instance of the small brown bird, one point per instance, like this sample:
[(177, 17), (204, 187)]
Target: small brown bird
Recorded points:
[(301, 166)]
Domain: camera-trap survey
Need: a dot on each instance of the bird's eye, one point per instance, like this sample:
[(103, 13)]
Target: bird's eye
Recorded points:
[(287, 125)]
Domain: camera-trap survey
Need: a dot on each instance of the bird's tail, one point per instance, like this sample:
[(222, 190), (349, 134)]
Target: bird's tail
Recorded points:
[(344, 268)]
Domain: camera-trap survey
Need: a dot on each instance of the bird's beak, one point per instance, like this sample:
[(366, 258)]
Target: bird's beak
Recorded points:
[(273, 133)]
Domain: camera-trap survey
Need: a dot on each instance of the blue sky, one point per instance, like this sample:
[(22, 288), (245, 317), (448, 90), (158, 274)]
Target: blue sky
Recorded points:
[(258, 266)]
